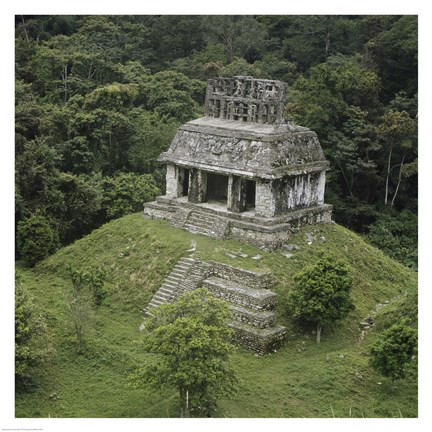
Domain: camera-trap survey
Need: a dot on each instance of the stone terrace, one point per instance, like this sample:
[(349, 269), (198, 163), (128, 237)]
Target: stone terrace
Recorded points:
[(251, 301)]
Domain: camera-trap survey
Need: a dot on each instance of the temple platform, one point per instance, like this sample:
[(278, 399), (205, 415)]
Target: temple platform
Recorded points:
[(215, 220)]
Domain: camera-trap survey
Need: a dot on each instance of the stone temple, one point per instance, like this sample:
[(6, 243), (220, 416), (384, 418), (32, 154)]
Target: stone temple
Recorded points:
[(242, 171)]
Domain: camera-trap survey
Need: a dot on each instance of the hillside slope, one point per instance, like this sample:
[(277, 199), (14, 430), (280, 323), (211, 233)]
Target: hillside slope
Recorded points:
[(300, 380)]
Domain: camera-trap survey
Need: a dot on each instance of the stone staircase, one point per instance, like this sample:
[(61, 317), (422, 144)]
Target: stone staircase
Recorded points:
[(204, 223), (179, 218), (253, 312), (175, 283), (246, 292)]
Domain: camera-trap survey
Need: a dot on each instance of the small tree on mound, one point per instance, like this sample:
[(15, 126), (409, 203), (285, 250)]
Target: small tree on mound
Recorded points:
[(321, 293), (191, 339), (394, 352)]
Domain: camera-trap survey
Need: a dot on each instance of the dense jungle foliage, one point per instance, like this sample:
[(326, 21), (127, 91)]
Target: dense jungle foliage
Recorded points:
[(98, 98)]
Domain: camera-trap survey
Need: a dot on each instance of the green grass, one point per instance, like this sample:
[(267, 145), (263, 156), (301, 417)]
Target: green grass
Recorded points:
[(302, 379)]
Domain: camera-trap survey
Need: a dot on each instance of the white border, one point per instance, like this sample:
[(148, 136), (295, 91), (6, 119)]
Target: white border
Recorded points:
[(124, 7)]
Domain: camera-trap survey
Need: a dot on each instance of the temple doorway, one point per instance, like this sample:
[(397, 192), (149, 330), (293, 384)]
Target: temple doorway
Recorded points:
[(217, 188), (184, 179), (250, 194)]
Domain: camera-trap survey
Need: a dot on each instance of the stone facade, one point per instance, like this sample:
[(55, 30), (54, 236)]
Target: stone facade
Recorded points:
[(243, 161)]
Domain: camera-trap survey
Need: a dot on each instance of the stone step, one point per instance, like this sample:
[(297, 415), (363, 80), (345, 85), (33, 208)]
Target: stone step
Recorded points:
[(154, 303), (173, 278), (166, 290), (261, 319), (212, 230), (160, 295), (183, 266), (146, 311), (256, 339), (186, 261), (179, 272), (199, 224), (205, 223), (162, 300), (233, 292), (179, 218), (169, 286), (197, 230)]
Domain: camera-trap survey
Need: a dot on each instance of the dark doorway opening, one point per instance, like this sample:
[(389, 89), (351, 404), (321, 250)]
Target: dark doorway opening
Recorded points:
[(217, 187), (250, 194), (185, 182)]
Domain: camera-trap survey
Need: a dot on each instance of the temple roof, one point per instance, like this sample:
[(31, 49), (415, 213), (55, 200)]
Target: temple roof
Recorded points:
[(247, 149)]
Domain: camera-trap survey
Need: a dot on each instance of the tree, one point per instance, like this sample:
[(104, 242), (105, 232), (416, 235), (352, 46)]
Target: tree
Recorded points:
[(92, 281), (80, 309), (190, 339), (32, 343), (395, 233), (393, 353), (35, 239), (397, 130), (174, 95), (152, 137), (81, 203), (395, 53), (241, 36), (126, 193), (321, 293)]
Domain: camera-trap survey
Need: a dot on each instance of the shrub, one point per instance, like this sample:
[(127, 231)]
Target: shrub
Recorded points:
[(32, 343), (35, 239), (394, 352)]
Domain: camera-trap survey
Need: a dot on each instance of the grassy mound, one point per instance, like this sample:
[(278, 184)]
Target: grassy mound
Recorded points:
[(302, 379)]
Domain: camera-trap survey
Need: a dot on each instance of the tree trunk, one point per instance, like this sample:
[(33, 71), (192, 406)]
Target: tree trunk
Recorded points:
[(399, 180), (388, 176), (25, 28), (327, 44), (318, 333), (184, 403)]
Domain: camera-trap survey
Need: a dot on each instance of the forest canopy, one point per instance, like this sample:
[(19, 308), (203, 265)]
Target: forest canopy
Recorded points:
[(98, 98)]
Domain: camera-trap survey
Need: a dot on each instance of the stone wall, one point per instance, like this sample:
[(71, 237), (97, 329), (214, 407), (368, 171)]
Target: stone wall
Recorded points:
[(267, 240), (153, 210), (293, 192), (265, 205), (250, 278), (241, 294), (262, 341)]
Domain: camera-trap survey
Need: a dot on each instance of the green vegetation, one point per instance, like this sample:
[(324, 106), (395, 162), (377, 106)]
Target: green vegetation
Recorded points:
[(191, 340), (321, 293), (393, 353), (303, 378), (98, 98), (32, 342), (35, 239)]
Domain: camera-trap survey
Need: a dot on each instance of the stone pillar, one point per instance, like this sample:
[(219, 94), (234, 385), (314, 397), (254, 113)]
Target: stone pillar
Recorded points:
[(172, 182), (236, 194), (197, 186), (265, 205), (321, 188), (202, 186)]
